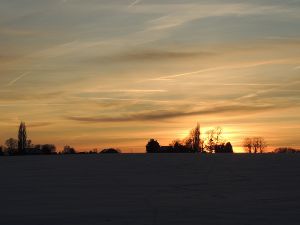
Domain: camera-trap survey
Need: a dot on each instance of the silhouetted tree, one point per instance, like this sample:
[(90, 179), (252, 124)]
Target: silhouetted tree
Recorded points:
[(258, 144), (196, 138), (22, 139), (12, 145), (1, 151), (228, 148), (48, 149), (186, 142), (29, 144), (214, 139), (181, 147), (247, 144), (152, 146), (223, 148), (286, 150), (68, 150), (110, 151), (192, 143), (193, 140), (94, 151), (254, 145)]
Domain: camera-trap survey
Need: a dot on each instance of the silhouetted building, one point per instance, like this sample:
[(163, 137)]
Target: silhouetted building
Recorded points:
[(154, 147), (110, 151), (166, 149)]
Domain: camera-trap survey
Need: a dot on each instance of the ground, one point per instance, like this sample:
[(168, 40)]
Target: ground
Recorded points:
[(158, 189)]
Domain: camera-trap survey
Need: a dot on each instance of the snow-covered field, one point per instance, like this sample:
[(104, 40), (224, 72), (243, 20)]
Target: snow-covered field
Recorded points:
[(165, 189)]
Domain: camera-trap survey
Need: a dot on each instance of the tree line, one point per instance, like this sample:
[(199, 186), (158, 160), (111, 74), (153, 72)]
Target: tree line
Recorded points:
[(24, 146), (193, 143), (212, 142)]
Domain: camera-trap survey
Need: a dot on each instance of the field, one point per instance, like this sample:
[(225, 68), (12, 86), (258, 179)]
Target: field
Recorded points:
[(138, 189)]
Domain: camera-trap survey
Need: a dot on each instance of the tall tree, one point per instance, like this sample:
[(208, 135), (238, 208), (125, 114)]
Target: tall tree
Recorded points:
[(193, 141), (196, 138), (22, 138)]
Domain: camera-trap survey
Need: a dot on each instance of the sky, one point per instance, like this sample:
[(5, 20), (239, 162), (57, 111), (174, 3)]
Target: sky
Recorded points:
[(115, 73)]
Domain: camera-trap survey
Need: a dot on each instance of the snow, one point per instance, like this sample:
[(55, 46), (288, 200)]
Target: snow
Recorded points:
[(158, 189)]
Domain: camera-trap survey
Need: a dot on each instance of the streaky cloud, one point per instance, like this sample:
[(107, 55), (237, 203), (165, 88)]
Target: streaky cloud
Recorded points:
[(134, 3), (220, 68), (166, 114), (17, 79), (39, 124), (151, 55)]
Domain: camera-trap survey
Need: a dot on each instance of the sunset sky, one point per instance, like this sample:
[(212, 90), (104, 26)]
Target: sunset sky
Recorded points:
[(114, 73)]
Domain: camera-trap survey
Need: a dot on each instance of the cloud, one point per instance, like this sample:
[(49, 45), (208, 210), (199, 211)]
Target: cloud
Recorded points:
[(17, 78), (297, 68), (134, 3), (127, 100), (38, 124), (222, 68), (126, 91), (170, 15), (18, 32), (7, 58), (165, 114), (29, 97), (175, 15), (151, 55)]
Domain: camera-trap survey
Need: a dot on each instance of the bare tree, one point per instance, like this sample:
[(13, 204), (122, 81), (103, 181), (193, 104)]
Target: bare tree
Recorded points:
[(11, 144), (214, 138), (192, 143), (261, 144), (255, 145), (247, 144)]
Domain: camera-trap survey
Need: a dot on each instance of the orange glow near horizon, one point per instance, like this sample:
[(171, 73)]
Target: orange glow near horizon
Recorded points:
[(99, 74)]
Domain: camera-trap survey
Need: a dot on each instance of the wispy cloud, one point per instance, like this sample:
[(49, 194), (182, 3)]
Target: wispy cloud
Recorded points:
[(95, 91), (297, 68), (17, 79), (39, 124), (151, 55), (175, 15), (127, 99), (165, 115), (134, 3), (222, 68)]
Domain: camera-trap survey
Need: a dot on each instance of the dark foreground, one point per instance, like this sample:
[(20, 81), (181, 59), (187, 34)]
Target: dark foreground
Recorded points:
[(180, 189)]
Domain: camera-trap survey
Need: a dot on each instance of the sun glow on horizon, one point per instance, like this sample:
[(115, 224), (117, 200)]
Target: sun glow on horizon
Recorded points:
[(98, 74)]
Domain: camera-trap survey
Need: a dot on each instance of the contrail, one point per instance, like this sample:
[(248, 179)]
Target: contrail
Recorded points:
[(134, 3), (213, 69), (16, 79)]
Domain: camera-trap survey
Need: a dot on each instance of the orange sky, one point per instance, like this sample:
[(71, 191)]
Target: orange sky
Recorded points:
[(97, 74)]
